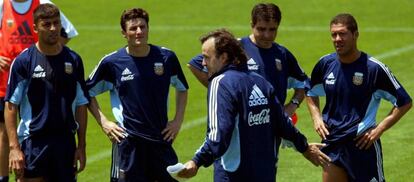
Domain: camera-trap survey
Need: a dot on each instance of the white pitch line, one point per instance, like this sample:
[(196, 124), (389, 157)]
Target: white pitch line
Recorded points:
[(244, 27), (98, 156), (107, 153), (395, 52)]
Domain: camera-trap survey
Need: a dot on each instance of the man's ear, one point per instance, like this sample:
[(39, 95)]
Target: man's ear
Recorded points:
[(35, 28), (224, 57), (123, 33)]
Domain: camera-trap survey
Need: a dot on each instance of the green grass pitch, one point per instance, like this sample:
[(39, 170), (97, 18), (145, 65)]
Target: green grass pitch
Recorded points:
[(386, 31)]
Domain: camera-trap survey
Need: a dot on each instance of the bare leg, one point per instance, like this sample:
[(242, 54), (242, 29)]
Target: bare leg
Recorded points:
[(333, 173), (4, 152)]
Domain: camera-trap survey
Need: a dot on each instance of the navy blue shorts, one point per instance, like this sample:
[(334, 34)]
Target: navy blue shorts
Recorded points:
[(360, 165), (143, 160), (50, 157)]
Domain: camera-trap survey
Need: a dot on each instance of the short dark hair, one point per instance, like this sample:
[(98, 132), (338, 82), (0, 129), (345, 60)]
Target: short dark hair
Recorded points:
[(225, 42), (45, 11), (346, 19), (266, 12), (133, 13)]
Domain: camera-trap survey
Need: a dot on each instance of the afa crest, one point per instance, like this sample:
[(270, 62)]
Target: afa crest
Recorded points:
[(278, 64), (159, 69), (68, 68), (358, 78)]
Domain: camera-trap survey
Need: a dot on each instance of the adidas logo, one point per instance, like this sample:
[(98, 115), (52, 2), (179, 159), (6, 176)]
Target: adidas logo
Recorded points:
[(127, 75), (331, 76), (126, 72), (330, 80), (23, 35), (252, 65), (256, 97), (251, 61), (24, 29), (38, 68), (373, 180), (39, 72)]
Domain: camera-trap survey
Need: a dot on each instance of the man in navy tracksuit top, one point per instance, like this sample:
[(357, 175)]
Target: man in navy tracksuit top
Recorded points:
[(354, 84), (138, 78), (269, 59), (244, 116), (47, 88)]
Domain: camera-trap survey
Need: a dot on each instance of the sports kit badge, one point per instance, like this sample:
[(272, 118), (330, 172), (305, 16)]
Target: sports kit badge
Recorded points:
[(358, 78), (159, 69)]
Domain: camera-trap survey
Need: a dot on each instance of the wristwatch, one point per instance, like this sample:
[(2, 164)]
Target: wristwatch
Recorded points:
[(295, 101)]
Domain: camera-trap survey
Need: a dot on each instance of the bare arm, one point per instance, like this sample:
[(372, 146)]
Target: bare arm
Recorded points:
[(181, 103), (394, 116), (82, 119), (201, 76), (368, 138), (80, 153), (96, 111), (298, 95), (314, 110), (113, 131), (16, 157), (4, 63), (173, 127)]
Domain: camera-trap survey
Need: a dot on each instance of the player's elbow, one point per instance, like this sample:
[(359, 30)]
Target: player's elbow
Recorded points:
[(406, 107), (409, 105)]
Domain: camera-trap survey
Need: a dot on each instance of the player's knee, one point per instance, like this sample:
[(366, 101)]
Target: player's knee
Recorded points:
[(2, 126), (334, 173)]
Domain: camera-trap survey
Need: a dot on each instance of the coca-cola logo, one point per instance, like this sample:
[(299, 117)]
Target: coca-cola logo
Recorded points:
[(260, 118)]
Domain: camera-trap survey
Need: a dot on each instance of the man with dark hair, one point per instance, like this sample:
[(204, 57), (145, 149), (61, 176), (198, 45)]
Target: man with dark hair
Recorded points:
[(47, 86), (132, 14), (354, 84), (138, 77), (17, 34), (267, 58), (244, 117), (265, 12)]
